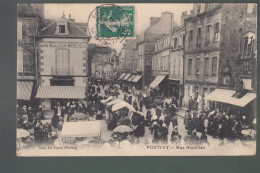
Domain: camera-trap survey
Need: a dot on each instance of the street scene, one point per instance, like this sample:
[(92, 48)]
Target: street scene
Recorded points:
[(122, 80)]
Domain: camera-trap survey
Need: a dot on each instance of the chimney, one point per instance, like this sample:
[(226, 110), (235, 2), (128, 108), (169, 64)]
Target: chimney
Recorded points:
[(183, 17), (73, 20), (154, 20)]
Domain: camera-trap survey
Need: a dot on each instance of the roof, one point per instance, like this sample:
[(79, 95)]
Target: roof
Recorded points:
[(75, 31), (24, 10)]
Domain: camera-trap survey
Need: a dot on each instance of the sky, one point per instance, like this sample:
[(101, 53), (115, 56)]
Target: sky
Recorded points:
[(81, 12)]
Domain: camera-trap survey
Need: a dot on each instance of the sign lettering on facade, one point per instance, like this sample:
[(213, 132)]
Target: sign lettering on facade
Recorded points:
[(63, 45)]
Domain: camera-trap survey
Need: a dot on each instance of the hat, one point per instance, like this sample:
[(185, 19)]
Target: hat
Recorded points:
[(163, 125), (155, 123)]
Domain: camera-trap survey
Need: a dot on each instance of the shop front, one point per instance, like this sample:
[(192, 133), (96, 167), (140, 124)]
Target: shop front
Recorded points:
[(159, 86), (240, 103), (174, 89), (137, 82), (50, 95)]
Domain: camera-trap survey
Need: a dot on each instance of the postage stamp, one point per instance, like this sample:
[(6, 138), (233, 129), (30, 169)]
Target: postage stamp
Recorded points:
[(115, 21)]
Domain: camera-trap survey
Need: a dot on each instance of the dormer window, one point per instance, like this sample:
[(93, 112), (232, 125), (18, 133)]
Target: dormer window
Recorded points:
[(62, 29)]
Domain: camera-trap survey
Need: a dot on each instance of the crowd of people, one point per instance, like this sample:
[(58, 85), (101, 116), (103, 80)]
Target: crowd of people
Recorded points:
[(218, 124), (157, 119)]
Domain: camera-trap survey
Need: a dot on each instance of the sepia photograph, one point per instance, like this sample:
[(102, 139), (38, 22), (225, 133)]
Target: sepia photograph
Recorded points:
[(136, 79)]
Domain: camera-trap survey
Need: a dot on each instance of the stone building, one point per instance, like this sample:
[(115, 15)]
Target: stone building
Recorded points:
[(102, 65), (62, 62), (214, 37), (29, 22), (160, 27), (176, 58), (127, 60)]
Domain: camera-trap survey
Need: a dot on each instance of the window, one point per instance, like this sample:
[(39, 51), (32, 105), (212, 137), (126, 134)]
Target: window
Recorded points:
[(175, 43), (189, 67), (214, 66), (198, 8), (61, 28), (216, 35), (199, 38), (19, 31), (208, 35), (183, 40), (248, 45), (62, 62), (206, 67), (190, 37), (19, 60), (197, 66), (206, 7)]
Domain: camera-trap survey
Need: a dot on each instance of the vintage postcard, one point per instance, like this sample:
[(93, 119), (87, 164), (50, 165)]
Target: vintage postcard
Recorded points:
[(136, 79)]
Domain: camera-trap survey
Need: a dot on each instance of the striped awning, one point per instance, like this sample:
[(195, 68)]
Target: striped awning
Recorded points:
[(127, 76), (68, 92), (24, 90), (122, 76), (131, 78), (137, 78), (157, 81)]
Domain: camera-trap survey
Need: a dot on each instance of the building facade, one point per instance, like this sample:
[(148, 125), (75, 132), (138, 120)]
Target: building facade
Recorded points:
[(29, 22), (62, 62), (176, 71), (212, 45), (159, 29)]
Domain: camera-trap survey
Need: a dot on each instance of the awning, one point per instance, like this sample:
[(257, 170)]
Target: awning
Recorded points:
[(81, 129), (24, 90), (70, 92), (127, 76), (157, 81), (122, 76), (225, 96), (131, 78), (174, 81), (137, 78)]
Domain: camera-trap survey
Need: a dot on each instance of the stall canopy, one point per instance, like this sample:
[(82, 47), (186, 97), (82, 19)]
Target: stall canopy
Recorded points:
[(225, 96), (126, 76), (157, 81), (24, 90), (71, 92), (131, 78), (121, 76), (137, 78), (81, 129)]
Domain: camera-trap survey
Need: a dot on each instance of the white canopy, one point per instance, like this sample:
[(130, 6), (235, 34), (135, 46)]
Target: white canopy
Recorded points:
[(114, 102), (121, 105), (81, 129), (106, 100), (225, 96)]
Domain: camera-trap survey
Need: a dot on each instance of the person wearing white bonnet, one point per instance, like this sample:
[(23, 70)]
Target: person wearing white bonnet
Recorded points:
[(164, 134)]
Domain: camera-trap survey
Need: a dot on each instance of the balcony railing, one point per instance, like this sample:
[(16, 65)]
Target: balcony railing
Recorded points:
[(62, 71)]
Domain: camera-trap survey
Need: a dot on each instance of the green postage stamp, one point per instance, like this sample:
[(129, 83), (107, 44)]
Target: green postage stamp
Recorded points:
[(115, 21)]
